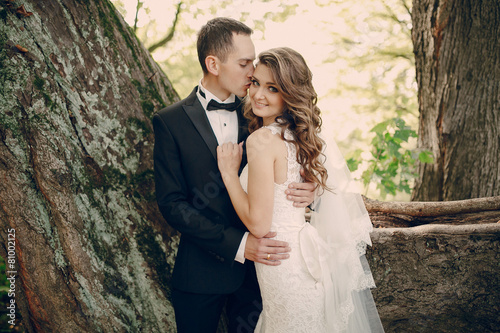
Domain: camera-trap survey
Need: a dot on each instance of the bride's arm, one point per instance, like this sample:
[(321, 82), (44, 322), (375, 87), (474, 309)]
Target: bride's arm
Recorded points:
[(255, 209)]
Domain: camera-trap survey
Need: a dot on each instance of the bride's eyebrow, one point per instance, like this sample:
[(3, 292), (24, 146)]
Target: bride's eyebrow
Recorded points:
[(267, 83)]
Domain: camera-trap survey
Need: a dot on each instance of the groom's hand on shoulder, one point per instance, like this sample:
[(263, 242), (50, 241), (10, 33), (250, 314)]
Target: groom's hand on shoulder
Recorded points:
[(265, 250)]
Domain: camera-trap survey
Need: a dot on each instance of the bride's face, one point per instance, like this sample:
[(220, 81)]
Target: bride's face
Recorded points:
[(265, 98)]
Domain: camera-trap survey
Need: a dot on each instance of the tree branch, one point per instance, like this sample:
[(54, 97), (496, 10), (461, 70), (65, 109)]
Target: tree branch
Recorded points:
[(408, 9), (139, 5), (433, 208), (170, 35)]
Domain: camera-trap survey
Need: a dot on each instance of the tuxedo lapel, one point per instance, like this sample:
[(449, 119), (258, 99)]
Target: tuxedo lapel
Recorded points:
[(242, 134), (198, 116), (242, 124)]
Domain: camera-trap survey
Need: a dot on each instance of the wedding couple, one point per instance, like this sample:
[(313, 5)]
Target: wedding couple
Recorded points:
[(234, 179)]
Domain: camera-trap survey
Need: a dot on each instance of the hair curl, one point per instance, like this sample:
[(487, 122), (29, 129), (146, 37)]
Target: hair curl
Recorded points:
[(301, 114)]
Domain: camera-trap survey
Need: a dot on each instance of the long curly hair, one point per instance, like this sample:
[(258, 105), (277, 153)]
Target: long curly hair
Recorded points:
[(301, 114)]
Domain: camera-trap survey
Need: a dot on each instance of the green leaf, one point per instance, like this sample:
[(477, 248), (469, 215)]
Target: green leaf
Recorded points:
[(380, 127), (353, 164), (426, 157)]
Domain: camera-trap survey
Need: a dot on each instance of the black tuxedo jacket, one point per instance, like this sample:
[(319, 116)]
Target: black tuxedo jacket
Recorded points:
[(193, 199)]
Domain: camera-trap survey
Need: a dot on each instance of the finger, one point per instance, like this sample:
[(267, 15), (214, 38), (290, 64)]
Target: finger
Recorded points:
[(297, 195), (270, 243), (301, 204), (277, 256), (270, 262), (276, 250), (299, 200), (302, 186)]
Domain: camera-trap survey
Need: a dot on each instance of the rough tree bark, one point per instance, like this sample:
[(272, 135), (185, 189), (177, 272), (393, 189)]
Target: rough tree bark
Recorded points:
[(457, 49), (437, 278), (442, 273), (77, 91)]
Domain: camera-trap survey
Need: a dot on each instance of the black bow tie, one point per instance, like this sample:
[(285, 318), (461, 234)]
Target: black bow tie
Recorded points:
[(214, 105)]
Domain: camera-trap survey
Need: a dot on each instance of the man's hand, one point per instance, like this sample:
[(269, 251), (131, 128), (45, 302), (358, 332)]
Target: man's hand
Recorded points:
[(302, 194), (266, 251)]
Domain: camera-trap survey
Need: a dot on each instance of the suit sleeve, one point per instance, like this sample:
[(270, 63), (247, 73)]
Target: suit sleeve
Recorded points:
[(172, 198)]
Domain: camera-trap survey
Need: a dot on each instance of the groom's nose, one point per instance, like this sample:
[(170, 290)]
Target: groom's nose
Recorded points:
[(250, 72)]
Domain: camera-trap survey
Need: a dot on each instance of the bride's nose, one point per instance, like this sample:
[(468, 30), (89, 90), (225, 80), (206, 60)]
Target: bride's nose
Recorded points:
[(259, 94)]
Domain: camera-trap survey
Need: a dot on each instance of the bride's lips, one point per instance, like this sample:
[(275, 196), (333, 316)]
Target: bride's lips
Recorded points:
[(258, 104)]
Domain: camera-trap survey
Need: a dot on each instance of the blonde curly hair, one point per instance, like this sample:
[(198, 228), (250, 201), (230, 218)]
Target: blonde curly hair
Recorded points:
[(301, 114)]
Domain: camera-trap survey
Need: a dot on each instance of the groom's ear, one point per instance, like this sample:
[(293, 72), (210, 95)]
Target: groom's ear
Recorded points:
[(212, 63)]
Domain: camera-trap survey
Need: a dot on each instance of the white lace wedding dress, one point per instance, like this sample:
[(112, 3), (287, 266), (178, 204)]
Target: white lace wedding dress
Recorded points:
[(297, 295)]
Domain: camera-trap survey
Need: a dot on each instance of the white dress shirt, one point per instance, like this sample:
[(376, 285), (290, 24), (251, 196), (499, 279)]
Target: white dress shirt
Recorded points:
[(224, 123), (225, 127)]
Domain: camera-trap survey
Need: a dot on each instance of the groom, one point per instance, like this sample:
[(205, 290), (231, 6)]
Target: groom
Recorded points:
[(210, 269)]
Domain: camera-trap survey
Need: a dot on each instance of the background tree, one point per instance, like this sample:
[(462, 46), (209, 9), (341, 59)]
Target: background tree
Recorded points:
[(77, 93), (457, 47), (361, 55)]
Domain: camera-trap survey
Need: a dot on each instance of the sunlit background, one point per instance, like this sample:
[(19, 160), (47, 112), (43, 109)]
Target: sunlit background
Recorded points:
[(360, 53)]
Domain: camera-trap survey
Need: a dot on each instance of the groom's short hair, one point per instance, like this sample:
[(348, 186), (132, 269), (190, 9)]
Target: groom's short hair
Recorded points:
[(216, 38)]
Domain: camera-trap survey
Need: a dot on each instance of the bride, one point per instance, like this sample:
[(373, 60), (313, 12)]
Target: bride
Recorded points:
[(325, 284)]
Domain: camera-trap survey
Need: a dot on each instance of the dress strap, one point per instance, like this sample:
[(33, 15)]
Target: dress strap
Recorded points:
[(293, 170)]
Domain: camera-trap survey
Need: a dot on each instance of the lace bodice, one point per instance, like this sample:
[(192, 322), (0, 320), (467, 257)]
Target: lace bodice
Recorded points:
[(292, 297), (286, 217)]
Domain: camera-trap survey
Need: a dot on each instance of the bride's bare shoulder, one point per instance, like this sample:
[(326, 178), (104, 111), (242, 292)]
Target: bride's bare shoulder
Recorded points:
[(265, 142), (263, 136)]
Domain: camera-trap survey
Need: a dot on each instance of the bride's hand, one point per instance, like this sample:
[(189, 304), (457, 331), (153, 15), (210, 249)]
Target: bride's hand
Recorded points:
[(229, 158)]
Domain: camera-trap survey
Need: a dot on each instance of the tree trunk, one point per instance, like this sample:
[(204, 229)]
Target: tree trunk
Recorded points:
[(77, 93), (437, 278), (442, 274), (457, 49)]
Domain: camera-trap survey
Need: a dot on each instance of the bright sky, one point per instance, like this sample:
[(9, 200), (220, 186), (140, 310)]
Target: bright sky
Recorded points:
[(303, 32), (309, 31)]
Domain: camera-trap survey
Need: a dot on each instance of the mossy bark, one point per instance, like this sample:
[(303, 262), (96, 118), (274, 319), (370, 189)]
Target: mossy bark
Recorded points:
[(77, 94)]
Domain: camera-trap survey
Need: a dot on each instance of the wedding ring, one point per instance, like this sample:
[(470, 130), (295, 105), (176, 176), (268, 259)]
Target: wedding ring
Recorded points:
[(268, 256)]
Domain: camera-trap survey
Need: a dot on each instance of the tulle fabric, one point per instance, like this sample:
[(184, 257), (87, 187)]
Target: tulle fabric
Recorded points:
[(344, 225)]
